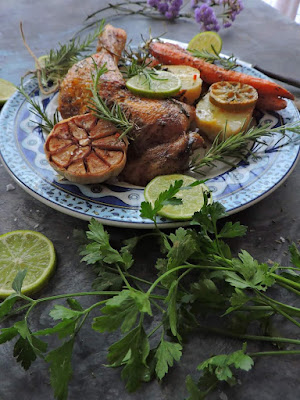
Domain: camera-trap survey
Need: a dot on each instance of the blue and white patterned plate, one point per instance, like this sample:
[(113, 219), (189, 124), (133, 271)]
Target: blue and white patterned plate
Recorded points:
[(117, 203)]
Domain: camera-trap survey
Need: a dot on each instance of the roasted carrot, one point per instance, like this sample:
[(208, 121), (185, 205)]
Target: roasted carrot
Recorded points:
[(270, 103), (168, 53)]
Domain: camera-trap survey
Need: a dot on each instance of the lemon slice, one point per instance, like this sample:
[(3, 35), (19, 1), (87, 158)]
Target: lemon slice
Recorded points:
[(206, 41), (233, 96), (7, 89), (157, 84), (28, 250), (192, 197)]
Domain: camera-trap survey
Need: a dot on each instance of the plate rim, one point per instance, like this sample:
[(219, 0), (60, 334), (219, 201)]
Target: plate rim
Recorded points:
[(6, 120)]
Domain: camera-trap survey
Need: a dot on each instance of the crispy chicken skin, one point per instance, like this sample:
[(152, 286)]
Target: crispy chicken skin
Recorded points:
[(158, 124), (162, 159), (74, 93)]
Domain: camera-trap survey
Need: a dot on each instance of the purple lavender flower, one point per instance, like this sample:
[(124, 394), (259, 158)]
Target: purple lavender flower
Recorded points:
[(231, 9), (206, 17), (169, 8)]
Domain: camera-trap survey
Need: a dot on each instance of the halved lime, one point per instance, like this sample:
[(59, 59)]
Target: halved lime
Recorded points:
[(7, 89), (192, 197), (208, 41), (28, 250), (156, 84)]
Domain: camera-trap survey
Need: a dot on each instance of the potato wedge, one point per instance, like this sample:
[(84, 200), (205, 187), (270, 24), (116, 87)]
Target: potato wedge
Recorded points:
[(211, 120)]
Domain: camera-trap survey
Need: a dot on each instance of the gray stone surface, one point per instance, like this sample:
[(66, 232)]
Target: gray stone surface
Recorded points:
[(260, 35)]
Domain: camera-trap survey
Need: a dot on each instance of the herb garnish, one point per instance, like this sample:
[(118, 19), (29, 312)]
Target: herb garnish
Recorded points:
[(38, 110), (100, 107), (212, 57), (237, 146), (58, 62), (221, 284)]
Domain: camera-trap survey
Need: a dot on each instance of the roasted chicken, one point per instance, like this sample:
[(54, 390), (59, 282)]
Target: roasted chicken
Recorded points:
[(160, 126)]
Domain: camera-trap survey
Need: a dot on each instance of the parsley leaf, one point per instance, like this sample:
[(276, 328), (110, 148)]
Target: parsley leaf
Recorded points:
[(119, 311), (166, 354), (231, 230), (221, 365), (164, 198), (122, 311), (8, 304), (184, 246), (249, 273), (63, 329), (27, 346), (18, 281), (194, 391), (61, 312), (61, 369), (171, 301), (7, 334), (132, 350), (100, 250), (295, 255)]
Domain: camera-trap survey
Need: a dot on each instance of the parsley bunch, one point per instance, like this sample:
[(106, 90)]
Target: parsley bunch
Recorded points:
[(196, 275)]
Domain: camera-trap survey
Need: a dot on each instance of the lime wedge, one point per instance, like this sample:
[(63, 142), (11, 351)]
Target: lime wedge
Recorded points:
[(207, 41), (7, 89), (192, 198), (28, 250), (157, 84)]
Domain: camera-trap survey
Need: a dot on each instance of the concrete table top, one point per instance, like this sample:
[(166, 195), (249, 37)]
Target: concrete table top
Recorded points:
[(259, 35)]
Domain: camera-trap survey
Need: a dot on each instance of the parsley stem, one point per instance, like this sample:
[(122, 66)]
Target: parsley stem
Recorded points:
[(191, 266), (273, 353), (155, 329), (67, 295), (285, 280), (272, 303), (123, 277), (293, 310), (135, 278), (224, 332), (288, 287)]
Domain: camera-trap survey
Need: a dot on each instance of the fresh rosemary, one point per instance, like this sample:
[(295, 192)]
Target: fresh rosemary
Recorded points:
[(212, 57), (100, 108), (237, 146), (38, 110), (57, 63)]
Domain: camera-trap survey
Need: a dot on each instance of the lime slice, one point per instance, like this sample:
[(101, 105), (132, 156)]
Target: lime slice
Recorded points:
[(28, 250), (42, 60), (207, 41), (157, 84), (7, 89), (192, 198)]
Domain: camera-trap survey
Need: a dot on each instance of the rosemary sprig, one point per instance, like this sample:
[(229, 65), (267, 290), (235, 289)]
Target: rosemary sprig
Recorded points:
[(135, 61), (38, 110), (100, 108), (226, 63), (57, 63), (237, 146)]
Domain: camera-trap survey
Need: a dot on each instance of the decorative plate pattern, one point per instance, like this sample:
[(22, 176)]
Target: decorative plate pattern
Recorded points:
[(117, 203)]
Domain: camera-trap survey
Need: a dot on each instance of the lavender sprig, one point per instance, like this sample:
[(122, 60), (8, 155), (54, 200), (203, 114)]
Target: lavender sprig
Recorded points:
[(203, 11)]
